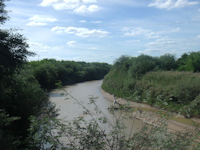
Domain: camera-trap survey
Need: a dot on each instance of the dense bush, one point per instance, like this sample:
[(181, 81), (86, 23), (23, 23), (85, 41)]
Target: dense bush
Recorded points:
[(22, 97)]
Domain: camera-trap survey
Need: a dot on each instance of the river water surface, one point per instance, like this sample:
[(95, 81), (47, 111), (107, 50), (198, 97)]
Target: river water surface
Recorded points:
[(69, 109)]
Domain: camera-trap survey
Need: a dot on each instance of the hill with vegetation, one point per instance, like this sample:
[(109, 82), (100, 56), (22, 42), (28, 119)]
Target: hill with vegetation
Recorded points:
[(164, 82)]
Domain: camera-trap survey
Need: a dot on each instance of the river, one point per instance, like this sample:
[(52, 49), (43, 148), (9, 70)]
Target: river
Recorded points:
[(69, 109)]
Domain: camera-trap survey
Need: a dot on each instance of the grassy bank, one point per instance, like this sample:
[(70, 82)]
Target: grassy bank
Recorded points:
[(176, 91)]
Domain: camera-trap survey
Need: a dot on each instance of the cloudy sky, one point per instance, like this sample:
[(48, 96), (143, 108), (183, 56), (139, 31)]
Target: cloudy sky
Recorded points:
[(103, 30)]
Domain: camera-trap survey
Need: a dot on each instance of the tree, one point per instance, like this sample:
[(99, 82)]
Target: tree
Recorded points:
[(167, 62), (22, 97), (20, 94), (13, 52), (189, 62), (141, 65), (3, 12), (124, 60), (13, 46)]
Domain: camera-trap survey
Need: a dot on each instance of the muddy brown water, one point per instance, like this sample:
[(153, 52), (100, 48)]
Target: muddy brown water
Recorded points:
[(69, 109)]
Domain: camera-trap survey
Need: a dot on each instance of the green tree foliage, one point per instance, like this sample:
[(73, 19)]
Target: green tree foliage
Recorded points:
[(142, 64), (22, 96), (6, 135), (46, 74), (20, 93), (167, 62), (3, 12), (49, 71), (13, 51), (123, 61), (189, 62)]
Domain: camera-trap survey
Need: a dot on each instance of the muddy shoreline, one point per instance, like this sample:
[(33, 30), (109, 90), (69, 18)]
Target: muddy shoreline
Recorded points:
[(145, 115)]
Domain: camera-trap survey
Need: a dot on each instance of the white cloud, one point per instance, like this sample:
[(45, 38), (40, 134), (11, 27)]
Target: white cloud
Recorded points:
[(81, 32), (137, 31), (167, 45), (48, 2), (58, 29), (33, 23), (71, 43), (152, 35), (170, 4), (93, 8), (198, 36), (89, 1), (148, 33), (78, 6), (38, 20), (83, 9), (43, 19), (41, 48), (62, 6), (143, 32)]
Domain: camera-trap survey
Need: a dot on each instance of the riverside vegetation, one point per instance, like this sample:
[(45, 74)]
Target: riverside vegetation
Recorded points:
[(28, 120), (164, 82)]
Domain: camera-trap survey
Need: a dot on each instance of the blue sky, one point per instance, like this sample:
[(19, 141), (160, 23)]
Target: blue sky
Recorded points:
[(103, 30)]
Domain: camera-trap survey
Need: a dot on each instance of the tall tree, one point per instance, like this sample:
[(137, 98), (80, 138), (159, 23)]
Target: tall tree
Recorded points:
[(13, 51), (13, 46), (3, 12), (18, 91)]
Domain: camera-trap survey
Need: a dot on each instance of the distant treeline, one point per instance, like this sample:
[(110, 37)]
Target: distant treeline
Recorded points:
[(165, 82), (50, 71)]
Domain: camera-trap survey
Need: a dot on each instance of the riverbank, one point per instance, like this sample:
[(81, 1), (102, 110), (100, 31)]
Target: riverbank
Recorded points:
[(144, 112)]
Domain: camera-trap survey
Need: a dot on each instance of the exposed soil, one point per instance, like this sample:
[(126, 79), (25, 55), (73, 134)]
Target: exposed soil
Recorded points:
[(144, 112)]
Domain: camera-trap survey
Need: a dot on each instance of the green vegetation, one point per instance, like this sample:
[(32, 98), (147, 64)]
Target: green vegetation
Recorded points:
[(28, 120), (20, 94), (50, 71), (158, 81), (22, 84)]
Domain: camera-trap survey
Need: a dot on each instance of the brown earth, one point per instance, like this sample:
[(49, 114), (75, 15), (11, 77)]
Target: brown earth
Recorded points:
[(145, 111)]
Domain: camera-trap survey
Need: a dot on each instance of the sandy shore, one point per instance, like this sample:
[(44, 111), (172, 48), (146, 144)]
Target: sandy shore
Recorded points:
[(145, 115)]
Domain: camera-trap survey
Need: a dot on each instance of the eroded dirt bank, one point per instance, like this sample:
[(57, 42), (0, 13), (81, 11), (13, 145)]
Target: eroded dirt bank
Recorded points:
[(149, 115)]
